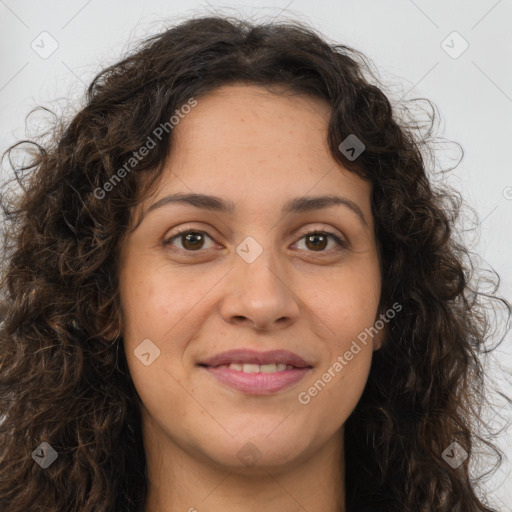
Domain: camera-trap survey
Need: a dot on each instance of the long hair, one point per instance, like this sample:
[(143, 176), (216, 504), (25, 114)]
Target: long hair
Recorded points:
[(64, 379)]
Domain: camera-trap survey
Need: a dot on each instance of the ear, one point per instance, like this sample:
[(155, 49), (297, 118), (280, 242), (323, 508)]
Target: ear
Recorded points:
[(111, 331), (382, 331), (379, 338), (109, 322)]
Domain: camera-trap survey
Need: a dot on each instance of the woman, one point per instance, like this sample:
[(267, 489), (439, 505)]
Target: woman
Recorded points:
[(230, 285)]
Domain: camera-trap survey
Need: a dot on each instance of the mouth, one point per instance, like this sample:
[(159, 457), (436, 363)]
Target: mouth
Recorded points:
[(257, 373), (251, 359), (255, 368)]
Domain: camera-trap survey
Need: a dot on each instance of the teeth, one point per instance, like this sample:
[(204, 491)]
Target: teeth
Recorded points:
[(259, 368), (251, 368)]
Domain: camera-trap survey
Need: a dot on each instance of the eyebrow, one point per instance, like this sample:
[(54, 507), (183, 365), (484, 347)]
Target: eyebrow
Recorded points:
[(297, 205)]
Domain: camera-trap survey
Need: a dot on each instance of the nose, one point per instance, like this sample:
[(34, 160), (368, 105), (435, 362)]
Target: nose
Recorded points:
[(259, 295)]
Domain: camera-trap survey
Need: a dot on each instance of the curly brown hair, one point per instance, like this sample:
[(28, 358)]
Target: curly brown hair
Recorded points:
[(63, 376)]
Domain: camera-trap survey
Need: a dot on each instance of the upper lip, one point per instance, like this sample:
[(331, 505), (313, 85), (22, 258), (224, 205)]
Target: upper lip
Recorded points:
[(255, 357)]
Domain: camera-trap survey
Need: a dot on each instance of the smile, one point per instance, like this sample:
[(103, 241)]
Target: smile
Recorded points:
[(256, 379), (258, 368)]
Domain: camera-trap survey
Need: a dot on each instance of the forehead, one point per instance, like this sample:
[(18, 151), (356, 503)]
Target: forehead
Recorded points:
[(249, 144), (251, 118), (242, 132)]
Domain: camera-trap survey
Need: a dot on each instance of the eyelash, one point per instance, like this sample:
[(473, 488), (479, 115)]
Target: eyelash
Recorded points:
[(187, 230)]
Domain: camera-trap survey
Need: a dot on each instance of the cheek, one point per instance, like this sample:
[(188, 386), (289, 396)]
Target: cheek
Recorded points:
[(347, 310), (165, 307), (150, 301), (348, 307), (333, 394), (351, 371)]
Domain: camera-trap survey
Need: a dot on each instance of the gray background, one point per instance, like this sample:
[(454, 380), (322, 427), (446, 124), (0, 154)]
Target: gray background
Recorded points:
[(473, 93)]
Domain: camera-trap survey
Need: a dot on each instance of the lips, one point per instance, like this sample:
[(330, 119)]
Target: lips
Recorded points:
[(256, 373), (251, 357)]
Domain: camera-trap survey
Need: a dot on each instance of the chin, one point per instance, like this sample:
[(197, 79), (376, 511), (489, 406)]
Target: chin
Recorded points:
[(256, 453)]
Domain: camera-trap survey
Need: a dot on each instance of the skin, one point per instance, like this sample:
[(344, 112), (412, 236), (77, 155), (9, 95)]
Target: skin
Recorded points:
[(257, 149)]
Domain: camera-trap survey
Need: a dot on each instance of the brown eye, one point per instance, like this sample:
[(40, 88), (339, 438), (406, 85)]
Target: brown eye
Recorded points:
[(191, 241), (318, 241)]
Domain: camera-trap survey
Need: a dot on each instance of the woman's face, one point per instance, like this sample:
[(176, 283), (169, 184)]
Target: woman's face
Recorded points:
[(251, 278)]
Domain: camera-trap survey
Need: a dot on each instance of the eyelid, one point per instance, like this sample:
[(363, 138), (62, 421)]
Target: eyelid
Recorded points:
[(322, 229), (181, 231), (337, 237)]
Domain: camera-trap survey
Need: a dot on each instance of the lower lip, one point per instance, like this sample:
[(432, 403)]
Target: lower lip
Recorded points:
[(257, 383)]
